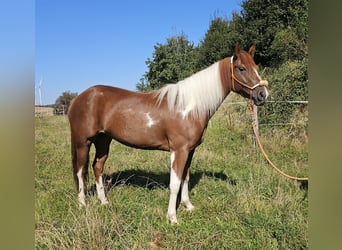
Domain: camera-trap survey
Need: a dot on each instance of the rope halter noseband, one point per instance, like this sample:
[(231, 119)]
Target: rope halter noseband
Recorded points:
[(251, 88)]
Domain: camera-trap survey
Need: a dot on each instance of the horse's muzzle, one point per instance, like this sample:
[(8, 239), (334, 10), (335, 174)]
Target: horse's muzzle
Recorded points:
[(260, 95)]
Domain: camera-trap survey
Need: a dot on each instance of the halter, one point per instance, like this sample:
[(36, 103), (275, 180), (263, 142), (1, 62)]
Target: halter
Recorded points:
[(261, 83)]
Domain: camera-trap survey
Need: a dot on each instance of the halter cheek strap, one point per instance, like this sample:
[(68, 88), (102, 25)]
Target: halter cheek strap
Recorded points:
[(261, 83)]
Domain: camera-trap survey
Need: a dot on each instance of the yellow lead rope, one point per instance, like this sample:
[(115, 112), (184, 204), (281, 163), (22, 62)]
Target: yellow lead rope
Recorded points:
[(270, 162)]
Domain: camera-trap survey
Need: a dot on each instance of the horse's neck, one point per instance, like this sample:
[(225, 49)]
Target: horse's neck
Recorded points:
[(210, 115), (225, 79)]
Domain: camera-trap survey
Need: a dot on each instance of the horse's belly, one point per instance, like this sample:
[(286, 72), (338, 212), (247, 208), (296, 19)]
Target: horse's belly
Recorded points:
[(141, 139), (140, 131)]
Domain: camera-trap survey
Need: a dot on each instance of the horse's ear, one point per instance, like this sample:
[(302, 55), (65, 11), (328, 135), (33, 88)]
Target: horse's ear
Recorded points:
[(251, 50), (236, 50)]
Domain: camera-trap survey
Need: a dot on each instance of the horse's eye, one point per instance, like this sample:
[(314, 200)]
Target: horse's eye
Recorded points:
[(241, 68)]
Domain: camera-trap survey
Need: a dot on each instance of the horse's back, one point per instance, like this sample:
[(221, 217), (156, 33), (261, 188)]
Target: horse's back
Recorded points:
[(98, 92), (95, 99), (99, 106)]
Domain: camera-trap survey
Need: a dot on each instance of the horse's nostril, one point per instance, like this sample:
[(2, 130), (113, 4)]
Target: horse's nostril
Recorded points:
[(262, 95)]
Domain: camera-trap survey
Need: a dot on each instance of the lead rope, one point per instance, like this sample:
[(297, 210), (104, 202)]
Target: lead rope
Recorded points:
[(263, 151)]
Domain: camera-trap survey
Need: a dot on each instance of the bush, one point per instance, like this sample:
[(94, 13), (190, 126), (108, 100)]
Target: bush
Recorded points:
[(289, 82)]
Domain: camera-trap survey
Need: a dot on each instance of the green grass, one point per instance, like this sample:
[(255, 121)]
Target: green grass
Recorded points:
[(241, 203)]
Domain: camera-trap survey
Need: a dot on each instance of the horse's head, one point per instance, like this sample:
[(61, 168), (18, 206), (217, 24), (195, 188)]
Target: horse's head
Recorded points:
[(245, 78)]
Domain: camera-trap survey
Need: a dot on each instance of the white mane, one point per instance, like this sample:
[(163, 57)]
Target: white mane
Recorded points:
[(198, 94)]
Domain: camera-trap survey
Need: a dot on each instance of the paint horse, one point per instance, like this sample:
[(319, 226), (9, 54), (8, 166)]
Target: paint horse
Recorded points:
[(173, 118)]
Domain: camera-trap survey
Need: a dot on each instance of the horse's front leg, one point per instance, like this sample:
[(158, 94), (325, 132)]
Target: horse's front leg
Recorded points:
[(185, 201), (178, 162)]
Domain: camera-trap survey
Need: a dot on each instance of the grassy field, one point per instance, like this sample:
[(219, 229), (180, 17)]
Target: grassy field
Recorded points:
[(241, 203)]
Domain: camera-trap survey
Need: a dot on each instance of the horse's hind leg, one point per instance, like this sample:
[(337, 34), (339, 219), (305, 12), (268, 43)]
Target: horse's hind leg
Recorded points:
[(80, 155), (101, 143)]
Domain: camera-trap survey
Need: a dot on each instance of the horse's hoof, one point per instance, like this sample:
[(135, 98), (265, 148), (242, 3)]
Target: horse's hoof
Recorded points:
[(172, 219), (189, 207), (104, 202), (81, 202)]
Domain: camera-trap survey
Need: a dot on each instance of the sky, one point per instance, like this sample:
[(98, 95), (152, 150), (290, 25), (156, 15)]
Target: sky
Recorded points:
[(81, 43)]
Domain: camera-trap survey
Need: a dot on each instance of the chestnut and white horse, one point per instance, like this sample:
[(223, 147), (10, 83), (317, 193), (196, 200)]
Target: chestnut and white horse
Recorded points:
[(173, 118)]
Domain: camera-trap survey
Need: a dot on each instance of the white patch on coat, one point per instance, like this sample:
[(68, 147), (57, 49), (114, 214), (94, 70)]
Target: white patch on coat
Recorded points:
[(191, 105), (263, 83), (150, 121)]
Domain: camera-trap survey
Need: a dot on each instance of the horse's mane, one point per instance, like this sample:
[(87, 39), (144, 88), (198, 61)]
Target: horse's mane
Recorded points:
[(199, 94)]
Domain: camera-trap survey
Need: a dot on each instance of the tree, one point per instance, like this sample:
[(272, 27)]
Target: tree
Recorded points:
[(289, 83), (267, 23), (63, 101), (288, 46), (217, 43), (170, 63)]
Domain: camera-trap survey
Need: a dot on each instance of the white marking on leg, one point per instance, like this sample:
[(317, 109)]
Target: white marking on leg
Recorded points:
[(185, 196), (100, 191), (150, 121), (174, 189), (81, 194), (172, 157)]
